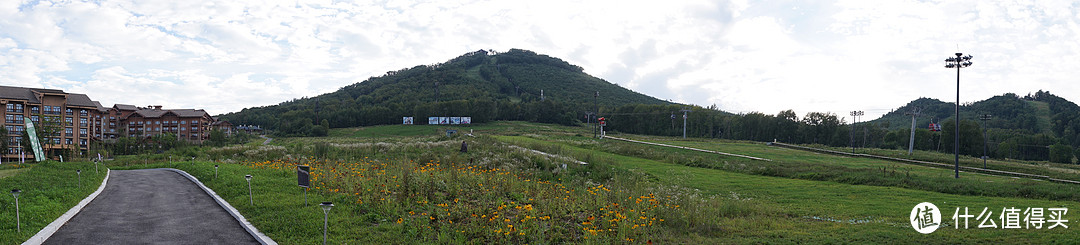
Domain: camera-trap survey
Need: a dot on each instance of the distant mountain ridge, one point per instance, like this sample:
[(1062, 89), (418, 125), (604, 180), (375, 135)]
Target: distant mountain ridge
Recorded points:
[(1033, 112), (484, 84)]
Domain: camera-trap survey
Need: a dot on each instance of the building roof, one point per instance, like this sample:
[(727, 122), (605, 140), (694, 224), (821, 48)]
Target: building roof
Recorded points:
[(190, 112), (99, 107), (157, 113), (124, 107), (80, 100), (18, 93)]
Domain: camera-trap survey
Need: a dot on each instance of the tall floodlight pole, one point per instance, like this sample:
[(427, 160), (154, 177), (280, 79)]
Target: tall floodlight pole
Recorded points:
[(854, 119), (911, 142), (960, 61), (984, 118)]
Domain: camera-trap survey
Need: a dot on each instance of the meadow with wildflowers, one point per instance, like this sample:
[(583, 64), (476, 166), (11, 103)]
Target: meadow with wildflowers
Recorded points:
[(421, 189)]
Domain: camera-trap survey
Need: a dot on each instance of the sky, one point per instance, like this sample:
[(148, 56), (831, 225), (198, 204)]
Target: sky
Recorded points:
[(742, 56)]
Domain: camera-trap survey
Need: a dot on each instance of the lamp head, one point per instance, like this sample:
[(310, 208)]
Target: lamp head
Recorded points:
[(248, 177), (326, 205), (16, 192)]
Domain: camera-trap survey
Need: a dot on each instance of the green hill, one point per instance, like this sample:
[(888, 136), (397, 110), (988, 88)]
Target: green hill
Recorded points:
[(1021, 127), (484, 85), (1031, 113)]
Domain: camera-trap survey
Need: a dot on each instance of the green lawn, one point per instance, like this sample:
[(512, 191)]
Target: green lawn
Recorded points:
[(48, 190), (886, 208)]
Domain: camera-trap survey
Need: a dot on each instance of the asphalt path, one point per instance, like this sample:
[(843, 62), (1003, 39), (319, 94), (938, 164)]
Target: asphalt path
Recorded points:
[(152, 206)]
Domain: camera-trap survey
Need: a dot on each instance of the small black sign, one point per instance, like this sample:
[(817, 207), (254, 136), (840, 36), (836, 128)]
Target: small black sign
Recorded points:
[(302, 176)]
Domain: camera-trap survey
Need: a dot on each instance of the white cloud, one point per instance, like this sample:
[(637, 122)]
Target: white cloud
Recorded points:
[(744, 56)]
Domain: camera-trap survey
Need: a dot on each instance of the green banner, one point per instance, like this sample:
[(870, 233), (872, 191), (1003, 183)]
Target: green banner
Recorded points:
[(38, 154)]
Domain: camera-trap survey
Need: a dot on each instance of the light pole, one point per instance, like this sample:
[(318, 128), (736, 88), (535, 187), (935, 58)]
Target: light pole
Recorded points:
[(215, 171), (326, 215), (960, 61), (854, 119), (18, 223), (250, 199), (984, 118), (79, 173)]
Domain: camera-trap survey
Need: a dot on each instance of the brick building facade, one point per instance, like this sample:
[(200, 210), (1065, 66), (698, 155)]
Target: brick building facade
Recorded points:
[(73, 121)]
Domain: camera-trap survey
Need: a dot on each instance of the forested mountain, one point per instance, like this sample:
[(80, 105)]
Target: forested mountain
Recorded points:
[(484, 85), (1020, 127), (523, 85)]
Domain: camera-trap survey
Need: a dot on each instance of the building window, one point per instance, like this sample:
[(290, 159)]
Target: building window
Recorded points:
[(69, 112), (157, 122), (35, 109), (182, 128), (82, 122), (183, 122), (69, 121), (67, 141), (82, 113), (112, 118), (67, 131), (15, 108), (35, 118), (193, 122), (9, 118), (82, 132), (82, 142)]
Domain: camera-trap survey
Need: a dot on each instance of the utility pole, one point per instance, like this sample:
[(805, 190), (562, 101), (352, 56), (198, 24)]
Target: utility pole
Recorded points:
[(684, 111), (596, 105), (984, 118), (957, 62), (911, 142), (854, 119)]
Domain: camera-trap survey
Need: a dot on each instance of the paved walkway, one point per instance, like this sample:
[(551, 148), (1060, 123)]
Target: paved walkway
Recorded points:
[(268, 139), (152, 206)]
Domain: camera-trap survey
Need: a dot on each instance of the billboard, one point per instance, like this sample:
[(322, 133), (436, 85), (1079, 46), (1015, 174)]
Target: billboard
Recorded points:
[(466, 120), (433, 120), (407, 120), (444, 120), (30, 131), (455, 120)]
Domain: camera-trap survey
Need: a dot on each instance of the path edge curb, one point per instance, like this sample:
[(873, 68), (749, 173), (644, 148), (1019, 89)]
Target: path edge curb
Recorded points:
[(51, 229), (259, 236)]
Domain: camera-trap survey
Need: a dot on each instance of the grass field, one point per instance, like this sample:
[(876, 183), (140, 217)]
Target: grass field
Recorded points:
[(410, 184), (48, 190)]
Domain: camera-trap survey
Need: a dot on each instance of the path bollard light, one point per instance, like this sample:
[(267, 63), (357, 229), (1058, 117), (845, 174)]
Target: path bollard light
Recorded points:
[(215, 171), (95, 167), (79, 173), (18, 224), (326, 215), (250, 199)]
